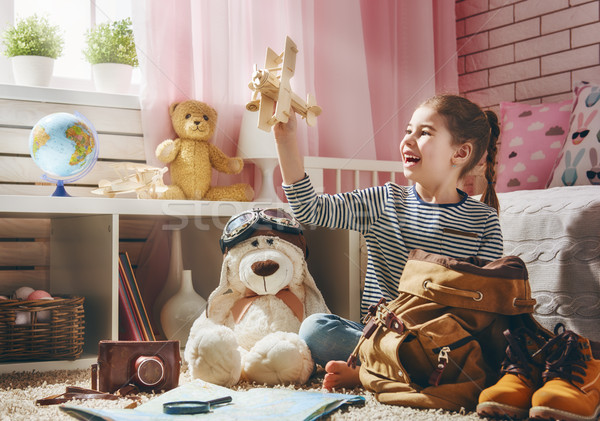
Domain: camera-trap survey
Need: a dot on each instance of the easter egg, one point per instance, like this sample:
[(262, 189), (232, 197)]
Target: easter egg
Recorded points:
[(38, 294), (44, 316), (23, 292), (22, 318)]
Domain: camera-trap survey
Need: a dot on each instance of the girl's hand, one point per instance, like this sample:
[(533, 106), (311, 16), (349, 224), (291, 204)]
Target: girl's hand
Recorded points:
[(286, 132)]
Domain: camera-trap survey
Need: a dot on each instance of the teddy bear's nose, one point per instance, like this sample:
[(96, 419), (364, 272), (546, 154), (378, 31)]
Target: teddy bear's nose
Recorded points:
[(265, 267), (197, 123)]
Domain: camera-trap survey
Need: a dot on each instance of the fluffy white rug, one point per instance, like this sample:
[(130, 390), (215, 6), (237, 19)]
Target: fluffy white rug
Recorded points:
[(19, 391)]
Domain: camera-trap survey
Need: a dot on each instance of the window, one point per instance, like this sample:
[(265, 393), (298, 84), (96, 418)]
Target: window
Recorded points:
[(74, 17)]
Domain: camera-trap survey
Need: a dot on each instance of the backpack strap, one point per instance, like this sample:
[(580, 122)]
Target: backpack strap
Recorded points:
[(378, 315)]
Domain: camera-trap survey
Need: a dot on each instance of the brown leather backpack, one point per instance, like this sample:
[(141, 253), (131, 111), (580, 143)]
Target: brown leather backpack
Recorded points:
[(440, 342)]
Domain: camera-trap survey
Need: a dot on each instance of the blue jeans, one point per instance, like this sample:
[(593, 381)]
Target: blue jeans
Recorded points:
[(330, 337)]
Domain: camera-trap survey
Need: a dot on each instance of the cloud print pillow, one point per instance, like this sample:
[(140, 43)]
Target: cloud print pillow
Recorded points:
[(531, 139)]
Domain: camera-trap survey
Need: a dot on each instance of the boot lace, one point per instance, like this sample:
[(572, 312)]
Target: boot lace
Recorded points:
[(565, 359), (518, 360)]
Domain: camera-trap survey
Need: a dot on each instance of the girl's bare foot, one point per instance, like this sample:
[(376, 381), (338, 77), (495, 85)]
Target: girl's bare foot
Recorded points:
[(339, 375)]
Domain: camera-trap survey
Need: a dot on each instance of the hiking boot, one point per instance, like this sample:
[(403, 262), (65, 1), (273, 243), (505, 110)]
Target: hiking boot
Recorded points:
[(510, 397), (571, 389)]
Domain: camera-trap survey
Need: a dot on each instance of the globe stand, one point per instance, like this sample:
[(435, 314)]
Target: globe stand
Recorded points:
[(60, 189)]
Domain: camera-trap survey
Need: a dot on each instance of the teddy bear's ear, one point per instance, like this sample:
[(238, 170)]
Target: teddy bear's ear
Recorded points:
[(215, 115), (172, 107)]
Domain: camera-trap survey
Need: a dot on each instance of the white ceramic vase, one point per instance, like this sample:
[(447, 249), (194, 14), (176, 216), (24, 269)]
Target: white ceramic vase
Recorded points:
[(173, 281), (32, 70), (112, 78), (181, 310)]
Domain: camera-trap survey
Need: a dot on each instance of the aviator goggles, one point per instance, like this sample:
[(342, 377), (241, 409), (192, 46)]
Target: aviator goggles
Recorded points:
[(241, 226)]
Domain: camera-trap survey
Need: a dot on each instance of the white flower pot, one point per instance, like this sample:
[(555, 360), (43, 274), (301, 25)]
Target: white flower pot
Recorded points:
[(32, 70), (112, 77)]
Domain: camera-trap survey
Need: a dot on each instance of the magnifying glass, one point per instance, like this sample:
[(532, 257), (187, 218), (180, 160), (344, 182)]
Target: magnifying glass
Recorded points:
[(193, 407)]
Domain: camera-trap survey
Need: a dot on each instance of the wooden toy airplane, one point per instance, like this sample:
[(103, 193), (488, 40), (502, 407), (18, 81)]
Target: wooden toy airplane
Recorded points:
[(273, 85), (144, 180)]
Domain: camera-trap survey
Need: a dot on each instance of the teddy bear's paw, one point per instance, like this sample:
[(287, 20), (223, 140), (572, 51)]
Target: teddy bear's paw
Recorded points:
[(173, 193), (279, 358), (235, 165), (240, 192), (248, 193), (213, 356), (166, 151)]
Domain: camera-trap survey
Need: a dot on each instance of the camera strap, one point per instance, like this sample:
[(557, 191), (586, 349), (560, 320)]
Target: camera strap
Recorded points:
[(81, 393), (74, 392)]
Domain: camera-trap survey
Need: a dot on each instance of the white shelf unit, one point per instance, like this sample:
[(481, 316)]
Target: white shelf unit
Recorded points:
[(84, 247)]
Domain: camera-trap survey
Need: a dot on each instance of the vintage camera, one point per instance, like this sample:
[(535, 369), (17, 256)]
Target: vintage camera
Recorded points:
[(147, 365)]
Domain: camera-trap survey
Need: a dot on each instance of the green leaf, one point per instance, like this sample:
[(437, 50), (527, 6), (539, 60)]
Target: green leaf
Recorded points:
[(33, 36), (111, 43)]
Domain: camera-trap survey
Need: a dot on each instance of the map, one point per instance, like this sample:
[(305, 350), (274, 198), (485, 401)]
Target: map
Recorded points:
[(252, 404)]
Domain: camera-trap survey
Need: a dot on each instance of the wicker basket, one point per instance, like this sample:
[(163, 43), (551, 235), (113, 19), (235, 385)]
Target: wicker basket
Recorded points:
[(55, 331)]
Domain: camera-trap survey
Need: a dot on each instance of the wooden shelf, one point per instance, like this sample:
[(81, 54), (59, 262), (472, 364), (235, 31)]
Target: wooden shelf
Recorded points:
[(84, 246), (48, 206)]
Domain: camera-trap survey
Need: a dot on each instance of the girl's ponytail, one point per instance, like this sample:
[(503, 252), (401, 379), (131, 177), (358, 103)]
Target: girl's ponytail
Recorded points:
[(489, 196)]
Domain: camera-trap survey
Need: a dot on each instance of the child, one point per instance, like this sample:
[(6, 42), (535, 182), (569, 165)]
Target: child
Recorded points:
[(446, 138)]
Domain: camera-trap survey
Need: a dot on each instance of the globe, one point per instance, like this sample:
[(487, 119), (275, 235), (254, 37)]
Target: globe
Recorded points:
[(65, 147)]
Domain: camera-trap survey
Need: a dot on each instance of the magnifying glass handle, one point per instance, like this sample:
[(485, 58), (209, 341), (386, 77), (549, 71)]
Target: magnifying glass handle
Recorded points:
[(193, 407), (218, 401)]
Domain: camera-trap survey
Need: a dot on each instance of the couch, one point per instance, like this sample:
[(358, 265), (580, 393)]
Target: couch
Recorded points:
[(556, 232), (549, 179)]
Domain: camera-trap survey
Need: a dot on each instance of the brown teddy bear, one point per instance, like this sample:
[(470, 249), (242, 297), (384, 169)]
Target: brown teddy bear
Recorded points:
[(192, 156)]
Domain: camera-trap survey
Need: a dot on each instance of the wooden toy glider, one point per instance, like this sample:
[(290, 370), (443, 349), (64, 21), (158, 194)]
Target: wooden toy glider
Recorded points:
[(144, 180), (272, 84)]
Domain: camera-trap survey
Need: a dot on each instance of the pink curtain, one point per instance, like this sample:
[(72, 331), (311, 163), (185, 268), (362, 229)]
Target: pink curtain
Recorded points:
[(369, 63), (410, 51)]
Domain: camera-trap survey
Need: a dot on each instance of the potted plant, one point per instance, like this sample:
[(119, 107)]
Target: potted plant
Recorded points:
[(111, 52), (32, 46)]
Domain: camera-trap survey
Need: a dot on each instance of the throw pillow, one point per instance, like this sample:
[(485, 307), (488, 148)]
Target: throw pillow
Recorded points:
[(577, 164), (531, 139)]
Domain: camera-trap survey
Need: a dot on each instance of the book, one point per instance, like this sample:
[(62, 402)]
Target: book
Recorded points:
[(253, 404), (131, 304), (129, 329), (135, 297)]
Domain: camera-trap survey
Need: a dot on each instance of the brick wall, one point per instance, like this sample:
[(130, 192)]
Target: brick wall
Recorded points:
[(526, 50)]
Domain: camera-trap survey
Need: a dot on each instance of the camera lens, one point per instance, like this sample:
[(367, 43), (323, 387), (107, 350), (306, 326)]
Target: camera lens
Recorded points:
[(149, 371)]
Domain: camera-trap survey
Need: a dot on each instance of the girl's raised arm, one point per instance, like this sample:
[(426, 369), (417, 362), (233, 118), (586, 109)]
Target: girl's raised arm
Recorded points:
[(291, 162)]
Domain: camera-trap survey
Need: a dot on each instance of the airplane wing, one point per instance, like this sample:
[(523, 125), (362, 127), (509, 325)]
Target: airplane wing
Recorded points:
[(265, 118), (284, 100), (289, 58), (312, 110), (272, 60)]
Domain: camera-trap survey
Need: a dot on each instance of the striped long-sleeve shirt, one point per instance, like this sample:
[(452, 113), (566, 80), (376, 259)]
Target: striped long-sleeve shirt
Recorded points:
[(394, 220)]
